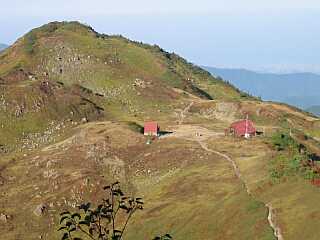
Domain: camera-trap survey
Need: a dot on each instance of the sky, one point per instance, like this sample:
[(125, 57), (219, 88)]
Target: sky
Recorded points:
[(273, 35)]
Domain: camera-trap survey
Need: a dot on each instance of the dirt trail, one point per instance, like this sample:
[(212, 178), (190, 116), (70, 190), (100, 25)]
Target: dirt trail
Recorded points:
[(230, 160), (183, 113), (272, 222), (271, 218), (201, 135)]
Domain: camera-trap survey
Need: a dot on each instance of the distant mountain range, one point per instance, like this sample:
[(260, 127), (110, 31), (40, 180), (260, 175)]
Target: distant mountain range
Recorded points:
[(3, 46), (298, 89), (314, 109)]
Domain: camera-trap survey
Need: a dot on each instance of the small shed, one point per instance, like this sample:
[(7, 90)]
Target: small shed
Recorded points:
[(151, 129), (243, 128)]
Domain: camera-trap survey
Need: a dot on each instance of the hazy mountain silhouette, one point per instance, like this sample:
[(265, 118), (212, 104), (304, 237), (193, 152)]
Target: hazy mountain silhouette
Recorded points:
[(298, 89), (3, 46)]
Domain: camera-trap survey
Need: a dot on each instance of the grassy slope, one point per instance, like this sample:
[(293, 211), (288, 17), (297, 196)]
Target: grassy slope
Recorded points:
[(29, 112), (294, 199), (204, 201), (102, 61), (188, 192), (136, 81)]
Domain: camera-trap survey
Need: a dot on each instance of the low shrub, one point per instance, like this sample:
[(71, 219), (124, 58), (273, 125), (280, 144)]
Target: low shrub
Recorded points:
[(290, 161), (282, 141)]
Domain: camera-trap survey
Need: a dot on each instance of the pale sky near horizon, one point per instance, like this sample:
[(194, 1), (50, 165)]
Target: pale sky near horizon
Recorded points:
[(274, 35)]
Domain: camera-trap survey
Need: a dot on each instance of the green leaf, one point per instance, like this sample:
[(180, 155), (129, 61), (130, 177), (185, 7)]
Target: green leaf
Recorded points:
[(84, 223), (168, 236), (63, 213), (115, 183), (73, 216), (62, 228), (87, 218), (63, 218), (85, 207), (65, 236), (69, 223), (124, 207)]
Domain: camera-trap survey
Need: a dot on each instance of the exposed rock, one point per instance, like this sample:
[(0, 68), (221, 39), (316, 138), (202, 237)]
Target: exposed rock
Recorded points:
[(40, 210), (84, 120), (3, 217), (139, 83), (3, 149), (51, 173)]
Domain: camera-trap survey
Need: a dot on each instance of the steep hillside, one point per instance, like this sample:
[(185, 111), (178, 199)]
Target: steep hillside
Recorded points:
[(125, 79), (74, 53), (121, 78), (72, 103)]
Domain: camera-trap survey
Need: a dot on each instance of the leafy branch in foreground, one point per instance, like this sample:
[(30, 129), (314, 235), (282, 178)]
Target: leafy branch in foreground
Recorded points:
[(101, 223)]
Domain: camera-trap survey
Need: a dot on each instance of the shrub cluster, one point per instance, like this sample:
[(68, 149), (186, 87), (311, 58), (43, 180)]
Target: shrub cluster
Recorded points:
[(290, 159)]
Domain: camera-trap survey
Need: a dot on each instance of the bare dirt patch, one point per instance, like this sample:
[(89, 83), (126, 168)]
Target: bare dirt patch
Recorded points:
[(192, 132)]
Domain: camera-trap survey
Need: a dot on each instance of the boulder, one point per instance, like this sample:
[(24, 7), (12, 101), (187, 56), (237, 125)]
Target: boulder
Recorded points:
[(40, 210), (3, 217)]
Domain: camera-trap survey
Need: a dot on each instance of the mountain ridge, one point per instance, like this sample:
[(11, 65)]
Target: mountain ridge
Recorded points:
[(29, 43), (128, 80)]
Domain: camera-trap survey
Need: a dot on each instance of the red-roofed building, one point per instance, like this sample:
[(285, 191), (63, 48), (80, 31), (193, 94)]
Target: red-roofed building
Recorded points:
[(243, 128), (151, 129)]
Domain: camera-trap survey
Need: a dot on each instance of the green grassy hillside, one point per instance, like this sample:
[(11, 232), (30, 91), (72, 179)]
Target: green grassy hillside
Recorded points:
[(73, 53), (128, 80)]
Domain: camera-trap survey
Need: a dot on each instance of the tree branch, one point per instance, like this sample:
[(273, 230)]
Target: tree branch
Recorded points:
[(88, 234), (112, 213), (127, 221)]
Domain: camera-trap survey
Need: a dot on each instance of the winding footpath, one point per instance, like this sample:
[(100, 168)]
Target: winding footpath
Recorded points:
[(271, 216), (273, 223), (183, 113)]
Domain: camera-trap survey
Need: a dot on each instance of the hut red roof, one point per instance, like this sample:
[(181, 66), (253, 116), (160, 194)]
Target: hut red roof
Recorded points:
[(240, 127), (151, 128)]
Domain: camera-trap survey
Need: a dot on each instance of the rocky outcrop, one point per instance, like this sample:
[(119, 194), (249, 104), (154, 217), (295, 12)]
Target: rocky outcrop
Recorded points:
[(40, 210)]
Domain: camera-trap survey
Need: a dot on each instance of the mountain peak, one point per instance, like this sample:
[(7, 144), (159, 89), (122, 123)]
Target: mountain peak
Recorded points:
[(65, 25), (74, 53), (55, 29)]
